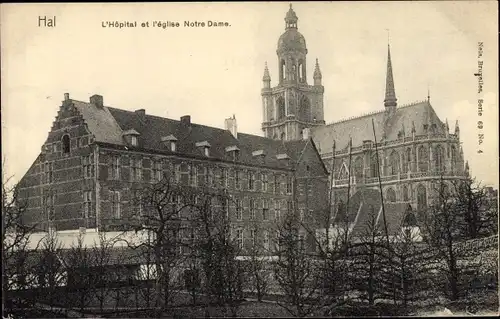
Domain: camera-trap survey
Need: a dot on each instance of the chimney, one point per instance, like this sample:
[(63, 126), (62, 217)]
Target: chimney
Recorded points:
[(97, 100), (186, 120), (141, 112), (66, 96), (231, 126)]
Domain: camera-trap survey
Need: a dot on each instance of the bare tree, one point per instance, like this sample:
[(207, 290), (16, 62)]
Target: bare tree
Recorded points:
[(479, 213), (257, 264)]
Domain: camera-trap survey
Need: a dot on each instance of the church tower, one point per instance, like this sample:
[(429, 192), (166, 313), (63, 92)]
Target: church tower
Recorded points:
[(292, 105)]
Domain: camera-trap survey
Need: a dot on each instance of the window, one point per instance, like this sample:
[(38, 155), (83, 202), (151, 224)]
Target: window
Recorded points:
[(210, 177), (289, 206), (237, 179), (136, 169), (115, 204), (289, 185), (252, 237), (88, 167), (239, 238), (225, 207), (137, 204), (114, 168), (301, 215), (276, 184), (177, 173), (157, 171), (193, 174), (224, 177), (264, 182), (87, 204), (252, 209), (239, 215), (251, 180), (266, 239), (66, 143), (133, 140), (277, 210), (265, 209)]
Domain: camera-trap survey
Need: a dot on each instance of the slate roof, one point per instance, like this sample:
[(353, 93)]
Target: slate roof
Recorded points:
[(109, 123), (366, 199), (360, 128)]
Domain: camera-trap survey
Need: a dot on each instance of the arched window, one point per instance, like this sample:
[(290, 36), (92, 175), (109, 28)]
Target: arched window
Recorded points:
[(305, 109), (343, 174), (301, 71), (280, 104), (394, 163), (423, 158), (406, 195), (453, 157), (421, 198), (408, 160), (294, 72), (374, 165), (439, 158), (391, 195), (358, 168), (282, 70), (65, 144)]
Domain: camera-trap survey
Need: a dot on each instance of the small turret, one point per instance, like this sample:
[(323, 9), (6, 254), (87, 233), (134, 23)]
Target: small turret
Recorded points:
[(457, 129), (317, 74), (447, 127), (467, 168), (266, 79), (390, 101)]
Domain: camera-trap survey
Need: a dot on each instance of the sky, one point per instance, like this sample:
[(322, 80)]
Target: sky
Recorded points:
[(212, 73)]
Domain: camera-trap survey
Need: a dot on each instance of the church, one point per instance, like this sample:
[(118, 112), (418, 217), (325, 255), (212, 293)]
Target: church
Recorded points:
[(405, 150)]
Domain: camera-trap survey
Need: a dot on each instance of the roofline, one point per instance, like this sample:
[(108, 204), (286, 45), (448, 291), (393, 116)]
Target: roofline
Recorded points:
[(183, 155), (319, 157)]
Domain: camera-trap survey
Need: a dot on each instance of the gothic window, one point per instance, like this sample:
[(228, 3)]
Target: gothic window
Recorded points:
[(66, 143), (394, 163), (408, 160), (423, 158), (305, 109), (280, 103), (453, 157), (391, 195), (343, 174), (439, 158), (374, 165), (421, 198), (358, 168), (294, 72), (405, 193)]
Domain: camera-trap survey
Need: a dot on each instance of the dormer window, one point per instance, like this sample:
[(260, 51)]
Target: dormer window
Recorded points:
[(206, 147), (260, 153), (131, 137), (282, 156), (133, 140), (170, 142), (233, 151)]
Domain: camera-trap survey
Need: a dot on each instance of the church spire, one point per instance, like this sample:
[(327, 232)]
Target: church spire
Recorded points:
[(390, 94), (317, 74)]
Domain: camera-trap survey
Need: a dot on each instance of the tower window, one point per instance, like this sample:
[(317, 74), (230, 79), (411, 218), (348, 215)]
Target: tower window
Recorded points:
[(66, 143), (282, 70)]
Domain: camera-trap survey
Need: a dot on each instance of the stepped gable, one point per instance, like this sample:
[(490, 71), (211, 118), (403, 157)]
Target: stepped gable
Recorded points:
[(360, 128)]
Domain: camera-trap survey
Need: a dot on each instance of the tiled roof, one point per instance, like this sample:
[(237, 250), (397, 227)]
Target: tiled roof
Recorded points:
[(360, 128), (108, 125)]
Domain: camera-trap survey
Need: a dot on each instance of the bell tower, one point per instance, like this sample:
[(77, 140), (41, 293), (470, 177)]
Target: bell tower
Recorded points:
[(292, 105)]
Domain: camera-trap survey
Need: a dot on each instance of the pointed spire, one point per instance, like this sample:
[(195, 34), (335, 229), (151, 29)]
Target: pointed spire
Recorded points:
[(390, 101), (446, 125), (467, 167), (266, 76), (317, 74), (428, 94)]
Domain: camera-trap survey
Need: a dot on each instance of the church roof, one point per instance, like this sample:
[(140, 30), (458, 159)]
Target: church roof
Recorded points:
[(360, 128), (365, 202), (108, 124)]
